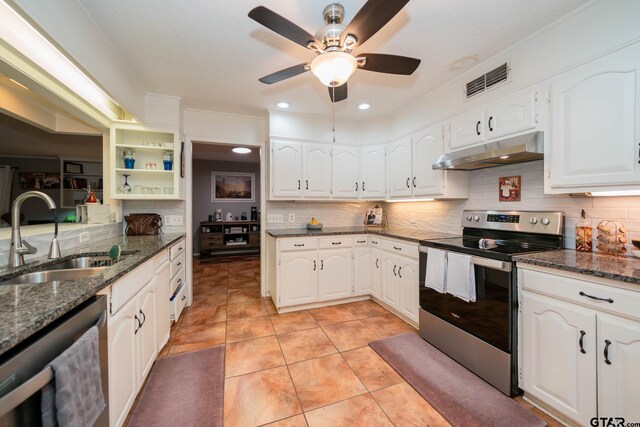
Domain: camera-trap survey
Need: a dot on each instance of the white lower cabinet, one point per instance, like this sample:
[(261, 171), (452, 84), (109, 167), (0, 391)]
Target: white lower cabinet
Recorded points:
[(298, 278), (163, 310), (376, 272), (390, 285), (335, 274), (132, 351), (409, 292), (363, 271), (580, 346), (555, 370)]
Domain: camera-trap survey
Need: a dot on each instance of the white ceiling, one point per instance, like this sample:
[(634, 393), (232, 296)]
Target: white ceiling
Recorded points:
[(211, 54), (223, 152)]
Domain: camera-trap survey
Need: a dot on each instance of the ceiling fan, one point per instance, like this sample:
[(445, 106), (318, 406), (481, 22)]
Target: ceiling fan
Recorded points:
[(334, 44)]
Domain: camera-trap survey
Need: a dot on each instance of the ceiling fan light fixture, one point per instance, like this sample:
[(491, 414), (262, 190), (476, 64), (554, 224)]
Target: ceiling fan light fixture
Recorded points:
[(241, 150), (334, 68)]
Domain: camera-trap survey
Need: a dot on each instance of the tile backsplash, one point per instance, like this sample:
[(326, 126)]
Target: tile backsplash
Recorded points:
[(330, 214), (161, 207), (446, 216)]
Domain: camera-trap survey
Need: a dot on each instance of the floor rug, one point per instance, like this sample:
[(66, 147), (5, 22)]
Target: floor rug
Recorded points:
[(460, 396), (184, 389)]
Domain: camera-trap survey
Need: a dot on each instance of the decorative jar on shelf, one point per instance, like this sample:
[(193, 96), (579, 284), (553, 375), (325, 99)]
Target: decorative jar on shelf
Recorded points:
[(584, 236), (167, 159), (129, 158)]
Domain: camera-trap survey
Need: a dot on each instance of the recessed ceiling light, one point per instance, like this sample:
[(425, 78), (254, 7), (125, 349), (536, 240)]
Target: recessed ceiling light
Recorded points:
[(19, 84), (504, 157), (283, 104), (364, 106), (241, 150)]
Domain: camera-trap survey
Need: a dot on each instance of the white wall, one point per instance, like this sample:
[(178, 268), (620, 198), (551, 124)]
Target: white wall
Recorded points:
[(312, 128)]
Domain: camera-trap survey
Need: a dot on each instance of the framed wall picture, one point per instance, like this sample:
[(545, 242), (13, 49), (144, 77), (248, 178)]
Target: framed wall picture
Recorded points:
[(509, 188), (74, 168), (232, 187)]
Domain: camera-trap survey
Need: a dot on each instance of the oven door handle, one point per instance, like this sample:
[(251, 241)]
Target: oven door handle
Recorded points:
[(493, 264)]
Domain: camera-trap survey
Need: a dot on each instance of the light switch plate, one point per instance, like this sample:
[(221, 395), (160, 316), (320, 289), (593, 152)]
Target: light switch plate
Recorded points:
[(292, 217), (173, 219), (275, 218)]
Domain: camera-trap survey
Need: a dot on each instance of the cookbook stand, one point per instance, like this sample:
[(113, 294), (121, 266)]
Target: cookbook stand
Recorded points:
[(383, 223)]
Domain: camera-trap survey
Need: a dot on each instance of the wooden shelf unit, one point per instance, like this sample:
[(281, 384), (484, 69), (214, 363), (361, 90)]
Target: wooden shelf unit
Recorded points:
[(229, 237)]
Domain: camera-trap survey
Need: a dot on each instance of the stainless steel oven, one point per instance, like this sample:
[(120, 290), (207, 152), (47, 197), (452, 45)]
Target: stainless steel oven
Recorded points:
[(482, 335)]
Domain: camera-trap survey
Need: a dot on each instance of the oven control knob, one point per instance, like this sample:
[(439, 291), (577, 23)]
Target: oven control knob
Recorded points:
[(545, 221), (476, 218), (533, 220), (469, 217)]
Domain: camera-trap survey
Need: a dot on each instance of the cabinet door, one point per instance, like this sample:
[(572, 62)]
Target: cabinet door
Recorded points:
[(146, 335), (298, 278), (389, 284), (513, 114), (619, 380), (595, 116), (372, 172), (555, 370), (317, 171), (428, 146), (123, 373), (345, 175), (376, 272), (163, 308), (409, 287), (399, 168), (467, 129), (335, 278), (286, 169), (363, 272)]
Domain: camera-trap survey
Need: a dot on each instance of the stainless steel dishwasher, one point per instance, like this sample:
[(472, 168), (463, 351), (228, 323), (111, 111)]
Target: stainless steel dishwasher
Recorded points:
[(24, 370)]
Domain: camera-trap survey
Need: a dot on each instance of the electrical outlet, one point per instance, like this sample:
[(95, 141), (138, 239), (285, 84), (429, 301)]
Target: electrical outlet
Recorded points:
[(173, 219), (84, 237), (275, 218), (292, 217), (413, 218)]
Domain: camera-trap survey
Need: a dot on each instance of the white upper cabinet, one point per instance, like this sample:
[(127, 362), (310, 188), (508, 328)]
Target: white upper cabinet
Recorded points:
[(372, 172), (399, 168), (512, 114), (427, 148), (595, 118), (346, 183), (317, 171), (286, 169), (467, 129)]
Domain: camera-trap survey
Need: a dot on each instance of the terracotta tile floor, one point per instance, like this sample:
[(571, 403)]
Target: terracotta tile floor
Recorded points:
[(308, 368)]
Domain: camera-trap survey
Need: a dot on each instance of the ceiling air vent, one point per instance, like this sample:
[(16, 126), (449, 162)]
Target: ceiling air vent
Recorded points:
[(485, 81)]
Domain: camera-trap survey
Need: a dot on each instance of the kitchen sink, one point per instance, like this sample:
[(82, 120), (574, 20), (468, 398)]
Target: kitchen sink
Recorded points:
[(68, 269)]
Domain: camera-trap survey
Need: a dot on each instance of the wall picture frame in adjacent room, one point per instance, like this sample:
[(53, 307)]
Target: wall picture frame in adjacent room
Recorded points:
[(509, 188), (73, 168), (232, 186)]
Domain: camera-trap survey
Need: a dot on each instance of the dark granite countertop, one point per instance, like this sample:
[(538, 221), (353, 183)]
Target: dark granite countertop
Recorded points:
[(27, 308), (624, 269), (412, 235)]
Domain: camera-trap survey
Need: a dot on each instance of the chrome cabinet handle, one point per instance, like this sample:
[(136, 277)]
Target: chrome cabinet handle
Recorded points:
[(581, 342), (609, 300), (606, 352)]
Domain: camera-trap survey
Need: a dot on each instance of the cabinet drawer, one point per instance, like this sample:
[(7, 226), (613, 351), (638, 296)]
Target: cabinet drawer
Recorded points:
[(336, 242), (217, 239), (304, 244), (583, 291), (177, 249), (360, 241), (376, 242), (400, 248), (160, 259), (179, 303), (129, 285), (212, 244), (177, 264), (177, 280)]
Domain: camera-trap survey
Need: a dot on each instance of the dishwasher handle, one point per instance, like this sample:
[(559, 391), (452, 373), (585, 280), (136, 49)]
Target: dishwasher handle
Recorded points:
[(27, 389)]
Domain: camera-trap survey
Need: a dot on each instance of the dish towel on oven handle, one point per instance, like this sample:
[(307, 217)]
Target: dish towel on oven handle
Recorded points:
[(436, 276), (461, 280)]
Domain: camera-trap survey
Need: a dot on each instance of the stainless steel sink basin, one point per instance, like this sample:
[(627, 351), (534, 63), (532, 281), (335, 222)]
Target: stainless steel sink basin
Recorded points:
[(53, 276), (69, 269)]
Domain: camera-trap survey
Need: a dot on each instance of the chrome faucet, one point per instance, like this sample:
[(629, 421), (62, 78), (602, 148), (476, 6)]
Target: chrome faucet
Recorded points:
[(20, 248)]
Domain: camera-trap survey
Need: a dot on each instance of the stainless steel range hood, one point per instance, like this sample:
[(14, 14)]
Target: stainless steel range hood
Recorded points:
[(518, 149)]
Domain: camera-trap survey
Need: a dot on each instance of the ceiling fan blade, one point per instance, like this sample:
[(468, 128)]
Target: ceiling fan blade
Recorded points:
[(280, 25), (390, 64), (340, 93), (284, 74), (371, 18)]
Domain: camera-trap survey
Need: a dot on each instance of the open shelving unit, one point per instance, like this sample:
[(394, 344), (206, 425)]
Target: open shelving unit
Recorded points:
[(73, 184), (229, 237), (148, 179)]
